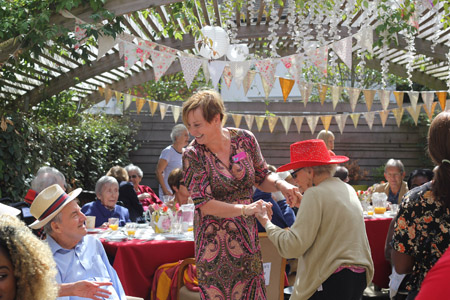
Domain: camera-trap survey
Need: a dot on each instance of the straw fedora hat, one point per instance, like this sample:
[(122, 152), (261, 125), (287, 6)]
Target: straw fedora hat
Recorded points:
[(49, 203), (311, 153)]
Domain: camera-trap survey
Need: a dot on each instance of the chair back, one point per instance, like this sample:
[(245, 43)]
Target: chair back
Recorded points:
[(277, 264)]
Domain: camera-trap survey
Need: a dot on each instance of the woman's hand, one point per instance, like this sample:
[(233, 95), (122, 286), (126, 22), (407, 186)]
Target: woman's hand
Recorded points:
[(259, 207), (290, 192), (143, 196)]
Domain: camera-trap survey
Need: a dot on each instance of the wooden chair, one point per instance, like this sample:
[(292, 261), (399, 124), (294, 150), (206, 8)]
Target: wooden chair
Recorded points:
[(183, 292), (275, 289)]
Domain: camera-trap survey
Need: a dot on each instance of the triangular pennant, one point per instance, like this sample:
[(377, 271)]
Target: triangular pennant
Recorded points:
[(341, 120), (105, 43), (286, 121), (293, 63), (267, 87), (118, 95), (259, 121), (227, 75), (286, 87), (335, 95), (384, 98), (343, 49), (153, 107), (163, 109), (267, 68), (326, 121), (414, 112), (126, 101), (305, 91), (139, 104), (167, 49), (442, 97), (430, 111), (312, 122), (108, 95), (79, 33), (130, 55), (428, 98), (216, 71), (322, 89), (272, 121), (413, 97), (161, 62), (101, 91), (355, 118), (176, 111), (248, 80), (298, 122), (190, 67), (383, 116), (237, 120), (370, 117), (224, 120), (249, 120), (399, 97), (144, 48), (353, 94), (368, 96), (239, 69), (365, 39), (319, 57), (398, 114)]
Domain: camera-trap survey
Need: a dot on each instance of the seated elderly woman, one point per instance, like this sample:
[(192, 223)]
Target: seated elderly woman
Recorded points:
[(176, 183), (105, 207), (395, 187), (328, 236), (145, 194), (26, 263)]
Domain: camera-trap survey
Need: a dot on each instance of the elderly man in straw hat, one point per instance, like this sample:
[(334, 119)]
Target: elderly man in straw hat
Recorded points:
[(328, 236), (83, 267)]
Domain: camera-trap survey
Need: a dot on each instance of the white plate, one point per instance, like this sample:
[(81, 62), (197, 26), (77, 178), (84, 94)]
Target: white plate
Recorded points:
[(170, 236), (94, 230), (116, 238)]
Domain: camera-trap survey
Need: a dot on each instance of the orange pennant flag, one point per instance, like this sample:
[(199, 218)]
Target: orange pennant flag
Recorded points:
[(399, 98), (286, 87), (139, 104), (430, 112), (322, 92), (326, 120), (383, 116), (442, 97)]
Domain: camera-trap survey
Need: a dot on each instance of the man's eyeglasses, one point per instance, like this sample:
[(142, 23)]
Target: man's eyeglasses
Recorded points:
[(293, 173), (134, 176)]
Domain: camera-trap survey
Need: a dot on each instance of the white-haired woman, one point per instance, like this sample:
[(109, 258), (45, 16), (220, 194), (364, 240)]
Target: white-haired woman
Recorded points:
[(170, 158), (145, 194)]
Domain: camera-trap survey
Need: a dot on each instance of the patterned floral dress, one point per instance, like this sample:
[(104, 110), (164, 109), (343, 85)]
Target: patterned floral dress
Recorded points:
[(227, 250), (421, 230)]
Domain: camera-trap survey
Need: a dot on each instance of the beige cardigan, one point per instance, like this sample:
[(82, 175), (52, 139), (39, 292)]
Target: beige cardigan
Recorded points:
[(384, 188), (329, 232)]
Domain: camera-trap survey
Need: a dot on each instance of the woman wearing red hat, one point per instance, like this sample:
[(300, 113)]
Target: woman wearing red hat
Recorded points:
[(328, 236)]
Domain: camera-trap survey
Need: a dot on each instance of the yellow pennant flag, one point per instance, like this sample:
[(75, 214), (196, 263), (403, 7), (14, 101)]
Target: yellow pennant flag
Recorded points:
[(414, 112), (260, 121), (176, 111), (442, 97), (322, 89), (355, 118), (272, 121), (237, 119), (384, 98), (108, 95), (353, 94), (224, 120), (398, 113), (431, 111), (153, 106), (249, 120), (326, 121), (286, 87), (383, 116), (399, 98), (335, 95), (247, 82), (286, 121), (118, 96), (139, 104), (298, 122), (341, 119), (369, 95)]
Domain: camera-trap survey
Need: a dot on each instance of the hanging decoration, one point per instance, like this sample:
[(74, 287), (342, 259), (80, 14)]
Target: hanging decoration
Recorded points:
[(286, 87), (214, 42), (286, 121), (298, 122)]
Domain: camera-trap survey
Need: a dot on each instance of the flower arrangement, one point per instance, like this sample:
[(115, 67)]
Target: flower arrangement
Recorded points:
[(162, 216)]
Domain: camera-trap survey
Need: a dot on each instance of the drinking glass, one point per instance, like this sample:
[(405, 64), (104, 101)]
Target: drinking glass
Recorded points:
[(130, 228), (167, 198), (113, 223), (177, 225)]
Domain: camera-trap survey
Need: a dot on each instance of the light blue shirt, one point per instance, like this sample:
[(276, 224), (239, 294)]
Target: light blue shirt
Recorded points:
[(173, 159), (87, 261)]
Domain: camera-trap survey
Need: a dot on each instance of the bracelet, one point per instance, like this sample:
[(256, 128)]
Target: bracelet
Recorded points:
[(243, 210)]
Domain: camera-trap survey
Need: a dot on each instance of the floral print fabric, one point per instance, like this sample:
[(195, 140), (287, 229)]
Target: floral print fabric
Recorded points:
[(421, 231), (227, 250)]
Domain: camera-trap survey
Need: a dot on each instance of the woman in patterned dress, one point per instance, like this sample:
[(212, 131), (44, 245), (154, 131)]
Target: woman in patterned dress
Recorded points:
[(421, 229), (221, 167)]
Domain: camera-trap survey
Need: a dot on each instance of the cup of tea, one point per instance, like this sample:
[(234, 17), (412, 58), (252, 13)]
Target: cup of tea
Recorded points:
[(90, 222)]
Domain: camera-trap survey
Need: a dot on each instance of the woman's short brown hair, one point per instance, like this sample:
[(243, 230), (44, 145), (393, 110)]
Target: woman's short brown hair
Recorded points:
[(118, 173), (210, 103), (175, 178)]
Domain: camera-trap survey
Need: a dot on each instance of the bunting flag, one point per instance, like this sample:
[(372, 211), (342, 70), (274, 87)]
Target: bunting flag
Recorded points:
[(305, 91), (105, 43), (335, 95), (319, 57), (370, 117), (237, 120), (413, 97), (365, 38), (153, 107), (369, 95), (312, 122), (286, 121), (101, 91), (267, 69), (126, 101), (341, 120), (355, 118), (80, 33), (259, 121), (190, 67), (427, 98), (239, 69), (118, 95), (383, 116), (343, 48), (286, 87), (293, 63), (216, 70), (384, 98), (430, 111), (227, 76), (266, 87), (398, 114), (442, 97), (414, 112), (176, 111), (326, 121), (139, 104), (205, 67), (399, 97), (108, 95), (298, 122), (161, 62), (224, 120), (322, 89), (130, 56), (248, 80), (354, 95), (167, 49), (249, 121), (121, 49), (143, 50), (272, 121)]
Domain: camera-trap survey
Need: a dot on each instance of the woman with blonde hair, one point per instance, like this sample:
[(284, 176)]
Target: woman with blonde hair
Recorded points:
[(328, 137), (28, 269)]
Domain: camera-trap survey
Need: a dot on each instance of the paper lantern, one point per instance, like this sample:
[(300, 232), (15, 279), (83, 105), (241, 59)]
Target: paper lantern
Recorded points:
[(214, 43), (237, 52)]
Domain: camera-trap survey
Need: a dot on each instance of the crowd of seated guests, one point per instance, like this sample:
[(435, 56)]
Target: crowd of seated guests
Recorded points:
[(145, 194)]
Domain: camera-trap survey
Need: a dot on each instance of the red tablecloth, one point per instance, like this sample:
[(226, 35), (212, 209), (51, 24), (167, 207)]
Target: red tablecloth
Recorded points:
[(136, 262), (377, 229)]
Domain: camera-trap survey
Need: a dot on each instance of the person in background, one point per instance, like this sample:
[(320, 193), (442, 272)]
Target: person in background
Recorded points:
[(105, 207), (342, 174), (421, 229), (395, 187), (145, 194), (418, 177), (27, 270), (328, 137), (328, 236), (83, 269), (176, 183), (127, 195), (170, 158)]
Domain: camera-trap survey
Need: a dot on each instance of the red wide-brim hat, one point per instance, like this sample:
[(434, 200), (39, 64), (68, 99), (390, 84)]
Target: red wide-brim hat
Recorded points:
[(311, 153)]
